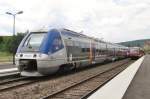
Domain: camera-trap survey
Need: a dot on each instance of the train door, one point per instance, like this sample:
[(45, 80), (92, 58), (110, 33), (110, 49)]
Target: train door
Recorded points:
[(69, 49), (92, 52)]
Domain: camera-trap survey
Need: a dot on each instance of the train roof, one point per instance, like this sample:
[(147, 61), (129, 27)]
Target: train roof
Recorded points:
[(71, 33), (77, 34)]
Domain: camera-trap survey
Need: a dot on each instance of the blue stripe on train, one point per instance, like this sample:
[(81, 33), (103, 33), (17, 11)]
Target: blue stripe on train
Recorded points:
[(47, 45)]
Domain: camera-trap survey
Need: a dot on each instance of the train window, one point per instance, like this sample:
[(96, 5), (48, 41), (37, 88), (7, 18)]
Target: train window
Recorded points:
[(69, 42), (88, 49), (34, 40), (96, 50), (56, 44), (83, 49)]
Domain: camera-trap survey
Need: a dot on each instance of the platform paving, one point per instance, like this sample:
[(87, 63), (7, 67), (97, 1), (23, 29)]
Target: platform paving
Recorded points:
[(116, 88), (6, 65), (139, 88)]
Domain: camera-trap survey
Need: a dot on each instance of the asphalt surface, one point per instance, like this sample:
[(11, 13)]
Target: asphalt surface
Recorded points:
[(140, 85)]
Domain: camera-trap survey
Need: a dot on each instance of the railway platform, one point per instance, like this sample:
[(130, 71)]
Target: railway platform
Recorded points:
[(132, 83), (6, 65), (7, 68), (140, 85)]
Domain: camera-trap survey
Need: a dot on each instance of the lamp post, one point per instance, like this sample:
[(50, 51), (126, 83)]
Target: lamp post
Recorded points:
[(14, 18)]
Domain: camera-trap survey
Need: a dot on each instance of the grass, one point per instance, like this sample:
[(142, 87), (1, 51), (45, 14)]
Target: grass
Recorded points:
[(5, 56)]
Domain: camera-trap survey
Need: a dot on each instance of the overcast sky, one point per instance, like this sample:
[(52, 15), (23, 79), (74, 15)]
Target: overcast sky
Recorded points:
[(112, 20)]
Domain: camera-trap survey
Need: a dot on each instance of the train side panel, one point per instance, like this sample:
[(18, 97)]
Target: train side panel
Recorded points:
[(43, 53), (135, 52)]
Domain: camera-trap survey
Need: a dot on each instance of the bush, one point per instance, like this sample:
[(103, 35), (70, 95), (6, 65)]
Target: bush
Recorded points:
[(10, 43)]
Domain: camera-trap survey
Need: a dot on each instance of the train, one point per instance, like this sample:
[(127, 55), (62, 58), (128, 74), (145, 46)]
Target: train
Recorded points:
[(135, 52), (45, 52)]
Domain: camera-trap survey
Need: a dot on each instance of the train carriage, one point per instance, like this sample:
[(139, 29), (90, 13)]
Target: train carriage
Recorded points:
[(135, 52), (45, 52)]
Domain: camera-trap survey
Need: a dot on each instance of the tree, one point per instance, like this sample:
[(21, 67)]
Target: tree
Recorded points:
[(10, 43), (1, 39)]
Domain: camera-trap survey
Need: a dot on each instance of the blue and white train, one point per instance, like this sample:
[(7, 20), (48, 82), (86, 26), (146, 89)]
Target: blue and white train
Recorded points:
[(45, 52)]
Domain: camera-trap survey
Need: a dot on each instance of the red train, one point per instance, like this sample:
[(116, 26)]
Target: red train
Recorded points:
[(135, 52)]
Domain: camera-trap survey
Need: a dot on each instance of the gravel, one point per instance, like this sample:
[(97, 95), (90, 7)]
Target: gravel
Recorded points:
[(40, 89)]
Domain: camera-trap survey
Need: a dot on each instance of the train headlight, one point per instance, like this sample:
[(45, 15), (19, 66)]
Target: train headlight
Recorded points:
[(21, 55), (34, 55)]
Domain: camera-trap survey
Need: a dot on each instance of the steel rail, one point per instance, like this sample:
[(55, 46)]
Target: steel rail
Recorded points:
[(95, 89), (83, 81)]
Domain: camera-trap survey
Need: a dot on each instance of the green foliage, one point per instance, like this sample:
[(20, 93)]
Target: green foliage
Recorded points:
[(10, 43), (1, 39), (5, 56)]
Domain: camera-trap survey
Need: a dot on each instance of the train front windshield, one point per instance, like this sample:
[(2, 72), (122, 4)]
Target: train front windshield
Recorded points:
[(34, 41)]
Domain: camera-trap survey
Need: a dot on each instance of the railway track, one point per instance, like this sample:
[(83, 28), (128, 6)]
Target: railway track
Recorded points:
[(84, 88), (11, 79), (4, 75), (14, 82), (17, 81), (59, 86)]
